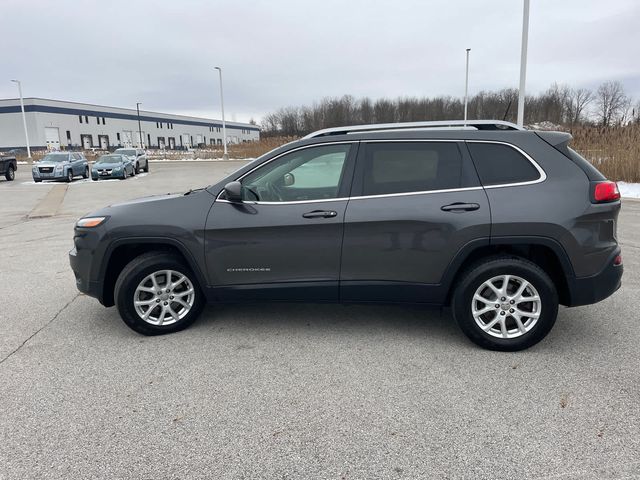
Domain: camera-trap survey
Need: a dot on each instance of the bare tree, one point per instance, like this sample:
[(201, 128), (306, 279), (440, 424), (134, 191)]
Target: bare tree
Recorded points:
[(559, 104), (578, 100), (612, 103)]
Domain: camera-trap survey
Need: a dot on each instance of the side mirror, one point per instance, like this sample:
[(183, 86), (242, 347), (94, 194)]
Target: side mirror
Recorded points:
[(289, 179), (233, 191)]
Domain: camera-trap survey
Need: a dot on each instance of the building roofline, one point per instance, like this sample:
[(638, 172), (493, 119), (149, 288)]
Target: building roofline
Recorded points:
[(134, 111)]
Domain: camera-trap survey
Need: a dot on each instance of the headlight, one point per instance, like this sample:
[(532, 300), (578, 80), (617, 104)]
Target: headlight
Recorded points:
[(90, 222), (58, 168)]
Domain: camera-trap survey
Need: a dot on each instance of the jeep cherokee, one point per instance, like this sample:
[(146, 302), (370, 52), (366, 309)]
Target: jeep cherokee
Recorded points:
[(499, 223)]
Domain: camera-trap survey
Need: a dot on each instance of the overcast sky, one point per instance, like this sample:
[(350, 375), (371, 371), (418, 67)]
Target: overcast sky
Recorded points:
[(284, 52)]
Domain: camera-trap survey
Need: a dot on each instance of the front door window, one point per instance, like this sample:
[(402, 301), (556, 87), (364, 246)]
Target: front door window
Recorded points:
[(307, 174)]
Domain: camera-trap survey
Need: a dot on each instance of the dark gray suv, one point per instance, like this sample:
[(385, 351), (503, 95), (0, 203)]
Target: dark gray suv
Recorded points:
[(499, 223)]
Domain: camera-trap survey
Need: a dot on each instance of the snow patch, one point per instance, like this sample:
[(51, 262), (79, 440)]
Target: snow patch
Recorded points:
[(629, 190), (159, 160), (84, 180)]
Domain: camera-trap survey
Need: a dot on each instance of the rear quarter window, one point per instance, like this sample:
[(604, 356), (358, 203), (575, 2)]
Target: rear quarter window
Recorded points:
[(399, 167), (499, 164)]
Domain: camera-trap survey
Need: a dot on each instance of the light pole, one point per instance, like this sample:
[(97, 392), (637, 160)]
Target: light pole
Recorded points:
[(24, 118), (225, 156), (523, 62), (139, 126), (466, 88)]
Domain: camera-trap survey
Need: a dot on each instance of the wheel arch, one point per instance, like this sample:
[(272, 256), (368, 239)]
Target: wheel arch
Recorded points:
[(121, 252), (543, 251)]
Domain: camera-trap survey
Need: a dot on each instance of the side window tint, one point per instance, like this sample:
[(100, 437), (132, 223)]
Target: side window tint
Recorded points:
[(499, 164), (401, 167), (308, 174)]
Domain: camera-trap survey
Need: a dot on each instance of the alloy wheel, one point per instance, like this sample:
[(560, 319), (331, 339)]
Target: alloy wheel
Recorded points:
[(506, 306), (164, 297)]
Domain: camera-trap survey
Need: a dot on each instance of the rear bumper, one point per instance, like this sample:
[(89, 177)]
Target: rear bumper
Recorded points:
[(589, 290)]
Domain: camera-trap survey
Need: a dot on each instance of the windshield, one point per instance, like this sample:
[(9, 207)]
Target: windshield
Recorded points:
[(125, 151), (55, 157), (110, 159)]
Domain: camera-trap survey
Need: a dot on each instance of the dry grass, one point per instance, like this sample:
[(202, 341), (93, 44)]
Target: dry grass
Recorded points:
[(241, 150), (614, 151)]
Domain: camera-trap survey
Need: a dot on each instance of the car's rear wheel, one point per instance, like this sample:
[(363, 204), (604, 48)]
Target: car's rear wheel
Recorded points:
[(505, 303), (70, 175), (156, 293), (10, 174)]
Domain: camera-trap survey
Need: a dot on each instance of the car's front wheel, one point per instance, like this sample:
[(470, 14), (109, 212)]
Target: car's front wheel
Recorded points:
[(505, 303), (136, 169), (157, 293), (70, 175), (86, 172)]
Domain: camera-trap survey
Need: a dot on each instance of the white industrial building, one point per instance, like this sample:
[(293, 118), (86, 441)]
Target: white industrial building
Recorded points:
[(55, 124)]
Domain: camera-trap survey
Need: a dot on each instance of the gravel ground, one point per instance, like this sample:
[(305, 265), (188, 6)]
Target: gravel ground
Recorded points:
[(295, 391)]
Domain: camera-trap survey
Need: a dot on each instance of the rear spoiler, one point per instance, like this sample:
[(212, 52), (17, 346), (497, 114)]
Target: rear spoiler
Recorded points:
[(560, 141), (556, 139)]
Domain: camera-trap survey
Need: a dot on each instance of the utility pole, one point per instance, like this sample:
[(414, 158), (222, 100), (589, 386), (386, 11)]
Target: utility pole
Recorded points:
[(24, 118), (523, 62), (225, 156), (141, 142), (466, 88)]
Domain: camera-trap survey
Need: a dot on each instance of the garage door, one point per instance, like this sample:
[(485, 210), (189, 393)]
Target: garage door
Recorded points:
[(52, 137)]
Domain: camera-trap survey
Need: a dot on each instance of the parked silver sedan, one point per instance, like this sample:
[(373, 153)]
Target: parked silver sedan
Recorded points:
[(138, 157)]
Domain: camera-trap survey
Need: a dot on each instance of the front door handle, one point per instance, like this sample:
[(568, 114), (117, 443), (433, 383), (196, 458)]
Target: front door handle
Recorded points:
[(460, 207), (320, 214)]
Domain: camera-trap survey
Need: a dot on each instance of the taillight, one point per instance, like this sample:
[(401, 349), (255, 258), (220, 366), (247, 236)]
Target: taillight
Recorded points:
[(605, 192), (618, 260)]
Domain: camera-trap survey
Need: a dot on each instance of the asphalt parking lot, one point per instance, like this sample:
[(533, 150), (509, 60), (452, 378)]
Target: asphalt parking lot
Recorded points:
[(294, 391)]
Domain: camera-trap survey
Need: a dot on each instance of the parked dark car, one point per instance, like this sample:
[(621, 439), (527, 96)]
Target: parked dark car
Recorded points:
[(8, 167), (112, 166), (501, 224), (60, 166), (138, 157)]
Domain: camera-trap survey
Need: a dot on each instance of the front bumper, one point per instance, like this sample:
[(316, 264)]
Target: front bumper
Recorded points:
[(589, 290), (112, 175), (80, 262), (48, 176)]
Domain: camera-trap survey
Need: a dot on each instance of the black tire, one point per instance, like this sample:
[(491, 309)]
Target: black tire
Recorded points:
[(134, 273), (69, 175), (10, 174), (146, 167), (37, 181), (136, 170), (488, 268), (86, 172)]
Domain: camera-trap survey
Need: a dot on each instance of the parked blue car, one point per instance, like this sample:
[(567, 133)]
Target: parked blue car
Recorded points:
[(60, 166), (112, 166)]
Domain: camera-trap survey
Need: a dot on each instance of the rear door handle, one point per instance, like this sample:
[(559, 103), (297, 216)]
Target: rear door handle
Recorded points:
[(320, 214), (460, 207)]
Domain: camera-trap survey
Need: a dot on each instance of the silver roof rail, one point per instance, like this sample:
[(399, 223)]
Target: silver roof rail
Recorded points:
[(439, 125)]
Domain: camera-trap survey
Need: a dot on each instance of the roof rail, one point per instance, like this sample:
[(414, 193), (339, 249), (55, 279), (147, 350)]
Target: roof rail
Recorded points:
[(439, 125)]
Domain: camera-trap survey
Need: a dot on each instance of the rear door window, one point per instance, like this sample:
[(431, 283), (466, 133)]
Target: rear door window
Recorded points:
[(404, 167), (500, 164)]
